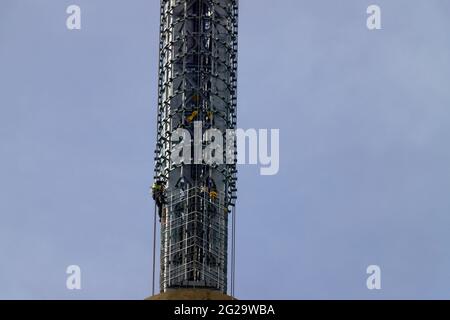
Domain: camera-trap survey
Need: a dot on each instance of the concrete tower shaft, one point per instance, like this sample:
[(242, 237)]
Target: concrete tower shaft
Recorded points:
[(197, 86)]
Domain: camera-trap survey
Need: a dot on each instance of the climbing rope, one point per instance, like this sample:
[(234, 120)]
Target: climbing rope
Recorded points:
[(233, 250), (154, 251)]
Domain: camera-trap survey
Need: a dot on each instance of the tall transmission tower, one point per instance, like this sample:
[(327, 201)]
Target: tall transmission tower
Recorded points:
[(197, 85)]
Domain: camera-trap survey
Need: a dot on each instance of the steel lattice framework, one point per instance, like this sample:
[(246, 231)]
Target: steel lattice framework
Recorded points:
[(197, 82)]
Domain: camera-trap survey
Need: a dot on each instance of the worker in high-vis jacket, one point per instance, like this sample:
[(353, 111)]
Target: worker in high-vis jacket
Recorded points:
[(158, 196)]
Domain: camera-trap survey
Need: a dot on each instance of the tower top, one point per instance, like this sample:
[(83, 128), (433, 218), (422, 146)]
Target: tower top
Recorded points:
[(197, 85)]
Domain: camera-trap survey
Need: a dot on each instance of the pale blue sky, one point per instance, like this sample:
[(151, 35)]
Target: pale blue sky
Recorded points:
[(364, 121)]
